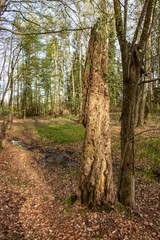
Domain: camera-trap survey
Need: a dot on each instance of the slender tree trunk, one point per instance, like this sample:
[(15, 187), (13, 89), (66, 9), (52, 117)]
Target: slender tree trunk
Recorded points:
[(142, 106), (141, 115), (73, 93), (158, 104), (24, 105), (132, 60), (72, 77), (80, 63), (18, 93), (96, 184), (10, 116), (5, 91), (56, 83), (137, 105), (30, 84), (131, 77), (150, 85), (39, 110), (63, 70)]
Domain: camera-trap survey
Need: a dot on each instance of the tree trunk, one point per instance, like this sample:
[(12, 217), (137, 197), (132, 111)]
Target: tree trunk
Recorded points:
[(80, 64), (141, 115), (137, 105), (3, 132), (142, 106), (96, 184), (132, 57), (56, 82), (131, 77), (10, 116)]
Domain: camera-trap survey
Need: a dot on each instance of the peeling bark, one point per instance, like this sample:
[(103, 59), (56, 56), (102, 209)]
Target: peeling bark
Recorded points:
[(96, 184)]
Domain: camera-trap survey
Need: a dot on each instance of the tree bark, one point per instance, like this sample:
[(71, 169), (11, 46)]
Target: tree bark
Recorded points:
[(137, 104), (131, 76), (96, 184), (132, 57), (2, 4)]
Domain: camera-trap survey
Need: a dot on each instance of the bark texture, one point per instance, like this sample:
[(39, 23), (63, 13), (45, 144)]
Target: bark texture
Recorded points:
[(131, 76), (132, 57), (96, 185)]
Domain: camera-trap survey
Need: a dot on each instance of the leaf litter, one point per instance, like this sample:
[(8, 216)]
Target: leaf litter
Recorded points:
[(32, 199)]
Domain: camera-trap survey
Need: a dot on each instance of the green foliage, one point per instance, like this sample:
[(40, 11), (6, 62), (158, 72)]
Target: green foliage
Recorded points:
[(156, 94), (98, 235), (70, 200), (105, 208), (1, 148), (118, 207), (61, 134), (82, 211), (150, 175), (149, 150)]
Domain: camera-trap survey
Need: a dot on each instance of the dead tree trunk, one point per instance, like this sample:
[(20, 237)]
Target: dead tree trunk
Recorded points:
[(96, 184)]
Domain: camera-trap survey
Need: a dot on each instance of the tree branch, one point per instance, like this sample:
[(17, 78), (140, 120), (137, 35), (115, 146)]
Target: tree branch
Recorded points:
[(138, 139), (146, 27), (140, 22), (125, 17), (148, 130), (45, 32), (149, 81), (119, 23), (24, 17)]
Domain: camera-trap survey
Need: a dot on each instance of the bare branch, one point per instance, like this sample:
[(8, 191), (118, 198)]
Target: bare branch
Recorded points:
[(149, 81), (138, 139), (153, 57), (147, 23), (28, 20), (46, 32), (140, 21), (125, 17), (147, 130)]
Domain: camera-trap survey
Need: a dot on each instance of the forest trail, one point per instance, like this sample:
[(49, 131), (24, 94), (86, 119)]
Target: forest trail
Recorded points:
[(32, 200)]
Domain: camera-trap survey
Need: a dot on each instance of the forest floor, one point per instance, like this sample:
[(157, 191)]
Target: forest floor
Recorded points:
[(38, 174)]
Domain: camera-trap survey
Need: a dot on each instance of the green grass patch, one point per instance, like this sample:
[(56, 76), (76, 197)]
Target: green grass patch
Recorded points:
[(149, 150), (70, 200), (98, 235), (1, 148), (82, 211), (62, 134), (149, 174)]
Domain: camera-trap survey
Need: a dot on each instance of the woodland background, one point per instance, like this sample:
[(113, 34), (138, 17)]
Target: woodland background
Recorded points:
[(47, 50)]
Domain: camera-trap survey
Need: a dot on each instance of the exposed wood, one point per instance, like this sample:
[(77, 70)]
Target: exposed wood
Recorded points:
[(96, 184)]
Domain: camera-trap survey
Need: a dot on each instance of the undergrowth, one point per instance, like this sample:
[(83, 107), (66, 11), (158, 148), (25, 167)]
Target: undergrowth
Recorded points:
[(62, 134), (148, 153)]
